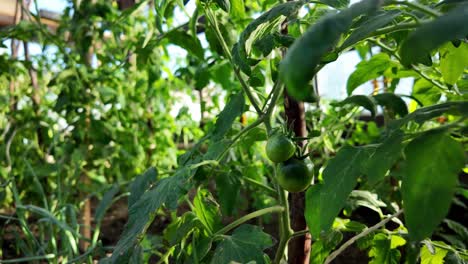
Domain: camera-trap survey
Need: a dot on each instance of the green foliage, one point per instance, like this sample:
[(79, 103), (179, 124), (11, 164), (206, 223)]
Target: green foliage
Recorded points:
[(432, 163), (106, 98), (324, 201), (246, 244)]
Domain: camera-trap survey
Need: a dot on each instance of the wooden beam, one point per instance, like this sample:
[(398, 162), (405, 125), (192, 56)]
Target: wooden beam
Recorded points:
[(8, 10)]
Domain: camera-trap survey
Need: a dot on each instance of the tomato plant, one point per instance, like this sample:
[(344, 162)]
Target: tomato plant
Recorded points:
[(95, 116)]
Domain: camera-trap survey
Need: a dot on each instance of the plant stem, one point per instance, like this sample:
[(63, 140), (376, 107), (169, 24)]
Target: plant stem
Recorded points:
[(276, 92), (364, 233), (300, 233), (247, 217), (261, 185), (418, 7), (414, 68), (227, 51), (239, 135), (285, 228), (442, 246), (29, 259)]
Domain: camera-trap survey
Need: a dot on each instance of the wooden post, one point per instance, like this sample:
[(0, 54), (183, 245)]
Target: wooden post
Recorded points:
[(299, 247)]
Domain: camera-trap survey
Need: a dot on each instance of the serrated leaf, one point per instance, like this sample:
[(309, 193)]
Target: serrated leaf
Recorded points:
[(324, 245), (264, 25), (187, 42), (429, 36), (141, 184), (360, 100), (430, 174), (228, 187), (324, 201), (370, 25), (369, 70), (233, 109), (381, 252), (180, 228), (256, 78), (393, 102), (166, 192), (453, 61), (366, 199), (299, 65), (382, 158), (433, 258), (207, 211), (215, 149), (246, 244), (426, 92)]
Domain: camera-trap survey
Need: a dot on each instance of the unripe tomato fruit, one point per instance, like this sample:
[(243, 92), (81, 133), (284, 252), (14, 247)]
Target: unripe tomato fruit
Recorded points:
[(280, 148), (295, 175)]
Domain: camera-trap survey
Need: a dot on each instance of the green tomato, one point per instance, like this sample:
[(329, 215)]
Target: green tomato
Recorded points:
[(280, 148), (295, 175)]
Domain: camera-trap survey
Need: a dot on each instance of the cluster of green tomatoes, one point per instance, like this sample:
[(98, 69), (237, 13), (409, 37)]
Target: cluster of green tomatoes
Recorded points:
[(294, 173)]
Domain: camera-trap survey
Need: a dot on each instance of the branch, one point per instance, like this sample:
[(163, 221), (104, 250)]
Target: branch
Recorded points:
[(364, 233), (247, 217)]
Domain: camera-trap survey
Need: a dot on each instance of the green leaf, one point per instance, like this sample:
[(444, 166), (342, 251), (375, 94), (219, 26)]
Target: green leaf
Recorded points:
[(426, 113), (166, 192), (369, 70), (453, 61), (264, 25), (426, 92), (429, 36), (324, 245), (429, 258), (458, 228), (382, 158), (224, 5), (246, 244), (237, 8), (256, 78), (181, 228), (381, 251), (105, 203), (187, 42), (49, 217), (360, 100), (324, 201), (393, 102), (202, 78), (299, 65), (228, 187), (233, 109), (207, 211), (430, 175), (366, 199), (369, 25), (454, 258), (141, 184)]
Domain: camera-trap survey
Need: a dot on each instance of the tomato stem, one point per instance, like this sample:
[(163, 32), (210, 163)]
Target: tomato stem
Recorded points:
[(285, 227), (227, 51), (247, 217)]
